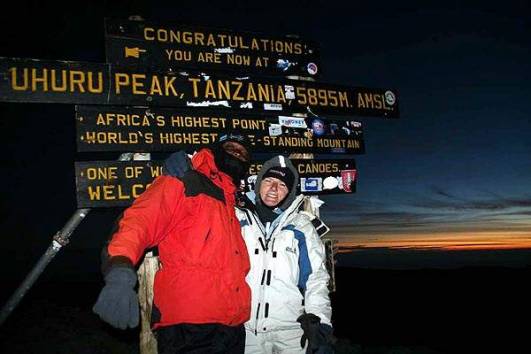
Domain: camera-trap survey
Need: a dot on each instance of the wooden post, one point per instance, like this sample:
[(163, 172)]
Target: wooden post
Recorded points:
[(146, 276), (330, 248)]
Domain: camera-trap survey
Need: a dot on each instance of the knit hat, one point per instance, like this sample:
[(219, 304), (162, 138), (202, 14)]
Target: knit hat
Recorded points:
[(276, 163), (282, 173), (236, 137)]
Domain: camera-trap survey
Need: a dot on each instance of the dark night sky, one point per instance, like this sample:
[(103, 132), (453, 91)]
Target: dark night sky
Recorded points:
[(454, 172)]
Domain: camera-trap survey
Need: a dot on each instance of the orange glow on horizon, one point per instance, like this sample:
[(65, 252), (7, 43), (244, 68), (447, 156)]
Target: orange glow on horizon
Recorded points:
[(448, 241)]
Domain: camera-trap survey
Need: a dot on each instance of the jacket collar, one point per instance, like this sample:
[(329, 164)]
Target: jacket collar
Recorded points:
[(203, 162)]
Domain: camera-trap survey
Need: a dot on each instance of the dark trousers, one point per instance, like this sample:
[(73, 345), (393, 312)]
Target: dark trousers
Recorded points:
[(201, 339)]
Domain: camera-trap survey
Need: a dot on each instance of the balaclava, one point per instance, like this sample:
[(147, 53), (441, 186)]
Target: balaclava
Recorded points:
[(225, 162)]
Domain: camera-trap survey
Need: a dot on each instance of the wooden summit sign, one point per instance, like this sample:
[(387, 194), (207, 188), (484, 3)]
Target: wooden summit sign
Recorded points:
[(29, 80), (143, 129), (174, 47), (114, 183)]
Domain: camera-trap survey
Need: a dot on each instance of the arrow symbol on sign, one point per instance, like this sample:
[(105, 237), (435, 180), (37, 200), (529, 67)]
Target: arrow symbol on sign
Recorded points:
[(133, 52)]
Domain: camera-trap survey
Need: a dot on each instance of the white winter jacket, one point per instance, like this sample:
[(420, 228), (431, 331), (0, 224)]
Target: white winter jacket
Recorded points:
[(288, 275)]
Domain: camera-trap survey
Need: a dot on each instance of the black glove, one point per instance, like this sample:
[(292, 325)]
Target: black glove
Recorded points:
[(177, 164), (118, 302), (319, 335)]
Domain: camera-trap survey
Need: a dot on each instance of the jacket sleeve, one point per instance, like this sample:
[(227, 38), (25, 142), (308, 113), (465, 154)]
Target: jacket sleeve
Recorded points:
[(148, 220), (316, 296)]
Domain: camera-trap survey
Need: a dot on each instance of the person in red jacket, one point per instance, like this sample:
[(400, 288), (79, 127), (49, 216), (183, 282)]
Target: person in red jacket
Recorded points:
[(201, 299)]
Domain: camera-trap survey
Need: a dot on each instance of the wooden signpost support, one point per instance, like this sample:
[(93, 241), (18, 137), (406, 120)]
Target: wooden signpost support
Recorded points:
[(146, 278)]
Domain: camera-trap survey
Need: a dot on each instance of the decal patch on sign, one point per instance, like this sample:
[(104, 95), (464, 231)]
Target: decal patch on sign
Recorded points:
[(292, 122), (390, 98), (330, 183), (318, 127), (348, 177), (312, 68), (272, 106), (311, 184), (289, 92), (275, 129)]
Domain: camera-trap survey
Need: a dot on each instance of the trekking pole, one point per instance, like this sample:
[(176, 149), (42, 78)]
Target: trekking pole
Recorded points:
[(60, 239)]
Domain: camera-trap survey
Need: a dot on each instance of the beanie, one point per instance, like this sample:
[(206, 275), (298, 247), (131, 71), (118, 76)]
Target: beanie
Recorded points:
[(282, 173)]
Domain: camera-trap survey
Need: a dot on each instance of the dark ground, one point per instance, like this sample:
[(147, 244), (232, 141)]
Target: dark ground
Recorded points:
[(469, 310)]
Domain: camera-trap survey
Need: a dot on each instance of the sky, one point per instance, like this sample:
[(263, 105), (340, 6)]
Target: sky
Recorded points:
[(452, 174)]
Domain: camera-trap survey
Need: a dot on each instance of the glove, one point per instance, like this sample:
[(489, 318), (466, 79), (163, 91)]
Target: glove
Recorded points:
[(118, 303), (319, 335), (177, 164)]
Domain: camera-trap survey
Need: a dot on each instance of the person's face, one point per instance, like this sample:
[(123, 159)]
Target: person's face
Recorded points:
[(273, 191), (237, 150)]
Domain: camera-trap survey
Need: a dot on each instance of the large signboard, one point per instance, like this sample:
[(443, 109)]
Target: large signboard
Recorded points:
[(177, 47), (26, 80), (145, 129), (118, 183)]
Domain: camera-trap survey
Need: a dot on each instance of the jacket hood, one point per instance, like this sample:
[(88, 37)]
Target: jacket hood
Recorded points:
[(203, 162), (280, 161)]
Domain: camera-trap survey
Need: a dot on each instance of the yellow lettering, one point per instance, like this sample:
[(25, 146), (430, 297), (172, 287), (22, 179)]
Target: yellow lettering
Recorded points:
[(187, 38), (161, 122), (77, 78), (168, 84), (148, 34), (343, 99), (223, 90), (91, 88), (62, 86), (280, 94), (104, 173), (155, 171), (236, 96), (120, 79), (137, 189), (121, 195), (35, 80), (194, 86), (263, 93), (155, 86), (251, 95), (199, 38), (14, 85), (138, 85), (209, 90), (94, 193)]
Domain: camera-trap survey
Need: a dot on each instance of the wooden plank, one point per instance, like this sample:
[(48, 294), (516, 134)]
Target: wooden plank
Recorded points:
[(118, 183), (104, 128), (28, 80), (176, 47)]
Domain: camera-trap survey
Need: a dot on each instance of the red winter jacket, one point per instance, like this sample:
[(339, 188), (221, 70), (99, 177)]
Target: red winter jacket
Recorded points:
[(202, 253)]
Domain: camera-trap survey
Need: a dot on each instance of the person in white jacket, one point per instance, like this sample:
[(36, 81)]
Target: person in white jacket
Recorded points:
[(288, 277), (290, 304)]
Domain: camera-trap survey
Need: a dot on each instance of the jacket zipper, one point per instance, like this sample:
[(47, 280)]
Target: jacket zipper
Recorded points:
[(266, 250), (264, 265)]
